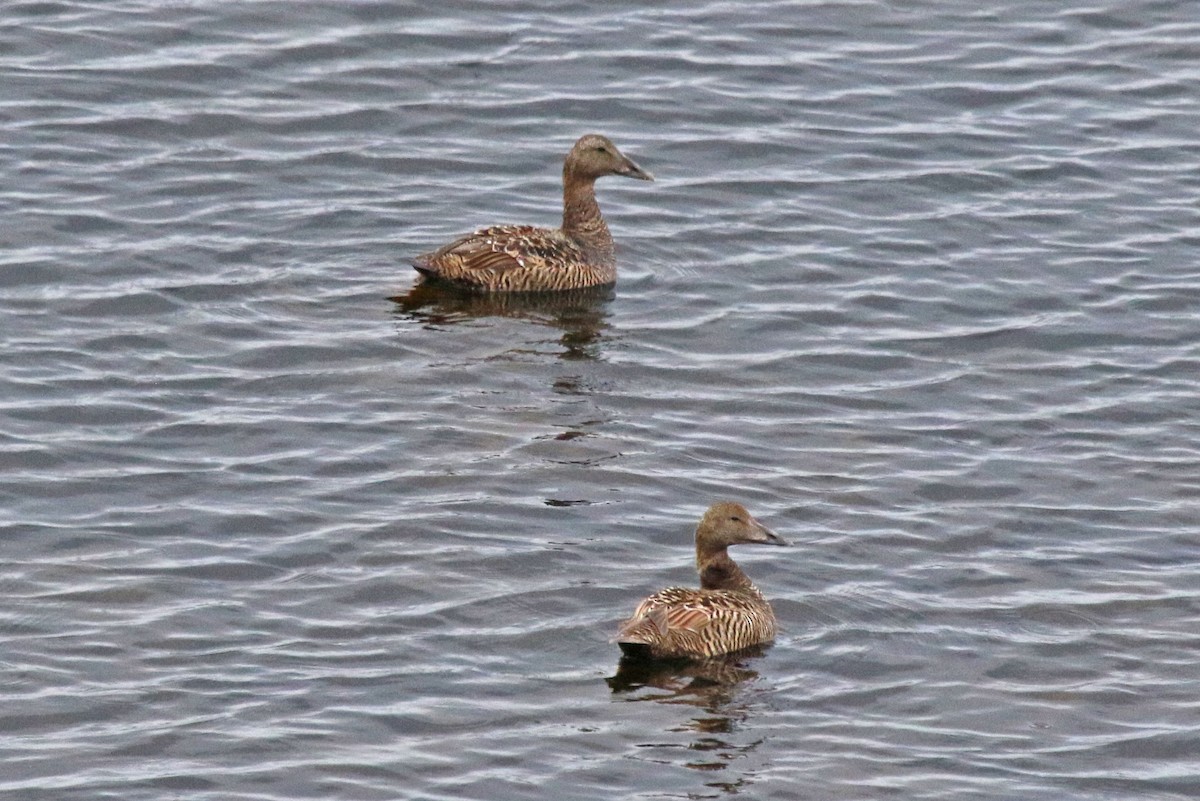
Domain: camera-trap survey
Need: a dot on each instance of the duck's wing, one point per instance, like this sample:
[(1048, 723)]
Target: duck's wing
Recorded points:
[(497, 250), (673, 609)]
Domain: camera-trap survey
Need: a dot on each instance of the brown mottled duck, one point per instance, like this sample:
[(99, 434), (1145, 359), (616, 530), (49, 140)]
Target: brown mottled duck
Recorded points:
[(522, 258), (727, 613)]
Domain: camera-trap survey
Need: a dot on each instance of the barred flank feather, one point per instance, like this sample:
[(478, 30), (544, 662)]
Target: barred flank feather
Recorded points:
[(521, 258), (727, 613), (686, 622)]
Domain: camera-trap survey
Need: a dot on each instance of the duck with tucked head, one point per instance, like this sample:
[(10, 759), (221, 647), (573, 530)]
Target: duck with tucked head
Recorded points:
[(727, 613), (522, 258)]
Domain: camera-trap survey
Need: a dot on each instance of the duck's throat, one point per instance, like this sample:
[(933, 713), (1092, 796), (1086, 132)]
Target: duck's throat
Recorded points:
[(583, 222), (719, 572)]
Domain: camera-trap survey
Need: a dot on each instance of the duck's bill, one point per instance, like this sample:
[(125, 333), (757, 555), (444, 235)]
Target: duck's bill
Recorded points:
[(768, 537), (630, 169)]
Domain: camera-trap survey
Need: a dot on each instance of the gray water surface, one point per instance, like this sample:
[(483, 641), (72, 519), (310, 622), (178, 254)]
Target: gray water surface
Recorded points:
[(917, 282)]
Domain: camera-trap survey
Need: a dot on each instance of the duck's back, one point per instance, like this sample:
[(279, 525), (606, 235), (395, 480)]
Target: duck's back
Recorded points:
[(682, 622), (507, 258)]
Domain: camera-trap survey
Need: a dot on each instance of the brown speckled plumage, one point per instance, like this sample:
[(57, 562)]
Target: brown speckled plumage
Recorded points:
[(522, 258), (727, 613)]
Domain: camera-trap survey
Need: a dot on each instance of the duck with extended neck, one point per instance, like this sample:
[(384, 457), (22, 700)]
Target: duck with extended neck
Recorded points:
[(522, 258)]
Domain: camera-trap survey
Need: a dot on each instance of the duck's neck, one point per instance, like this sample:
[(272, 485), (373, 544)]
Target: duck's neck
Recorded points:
[(719, 572), (582, 220)]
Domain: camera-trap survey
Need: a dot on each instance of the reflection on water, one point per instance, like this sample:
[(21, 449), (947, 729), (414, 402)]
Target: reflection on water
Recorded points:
[(703, 682), (712, 685), (582, 314), (554, 408)]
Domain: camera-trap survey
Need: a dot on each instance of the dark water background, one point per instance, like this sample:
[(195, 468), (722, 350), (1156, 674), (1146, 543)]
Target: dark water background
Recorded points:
[(918, 283)]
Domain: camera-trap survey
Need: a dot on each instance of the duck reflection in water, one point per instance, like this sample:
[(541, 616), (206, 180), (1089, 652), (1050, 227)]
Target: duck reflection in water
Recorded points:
[(703, 682), (581, 315), (717, 736)]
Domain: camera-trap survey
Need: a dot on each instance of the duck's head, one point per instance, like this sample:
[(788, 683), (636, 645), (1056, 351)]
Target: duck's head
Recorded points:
[(594, 156), (728, 523)]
